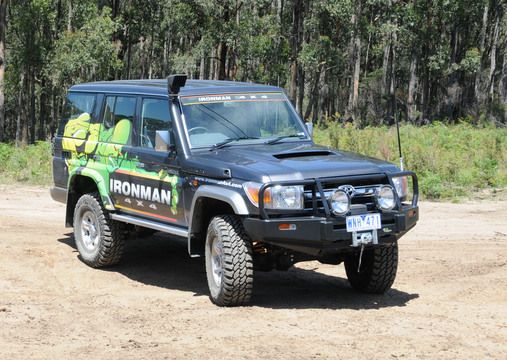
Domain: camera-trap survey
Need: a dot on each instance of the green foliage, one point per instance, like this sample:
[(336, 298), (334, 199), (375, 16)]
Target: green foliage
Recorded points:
[(472, 61), (86, 53), (451, 161), (30, 164)]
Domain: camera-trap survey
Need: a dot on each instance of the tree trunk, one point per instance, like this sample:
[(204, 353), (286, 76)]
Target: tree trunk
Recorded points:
[(387, 52), (69, 16), (21, 121), (129, 55), (312, 105), (355, 60), (412, 87), (202, 68), (301, 90), (385, 66), (3, 25), (478, 75), (212, 64), (295, 43), (33, 124), (502, 84), (42, 111), (222, 58), (492, 68), (354, 94), (223, 48)]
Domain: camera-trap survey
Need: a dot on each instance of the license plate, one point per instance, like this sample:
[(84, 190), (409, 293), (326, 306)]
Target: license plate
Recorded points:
[(363, 222)]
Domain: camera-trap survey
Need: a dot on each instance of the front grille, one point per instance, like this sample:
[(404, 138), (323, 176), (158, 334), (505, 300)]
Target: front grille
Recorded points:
[(361, 192)]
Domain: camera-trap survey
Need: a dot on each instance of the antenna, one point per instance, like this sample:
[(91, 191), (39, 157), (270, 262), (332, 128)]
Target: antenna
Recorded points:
[(399, 141), (395, 109)]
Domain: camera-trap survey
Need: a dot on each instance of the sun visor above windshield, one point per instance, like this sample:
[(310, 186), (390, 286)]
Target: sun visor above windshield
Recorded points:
[(225, 98)]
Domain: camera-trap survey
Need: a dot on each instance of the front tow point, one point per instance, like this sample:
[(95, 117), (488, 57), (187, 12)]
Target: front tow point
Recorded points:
[(364, 238), (361, 239)]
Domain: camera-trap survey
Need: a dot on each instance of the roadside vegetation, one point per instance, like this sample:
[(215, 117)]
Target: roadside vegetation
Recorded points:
[(452, 162), (27, 164)]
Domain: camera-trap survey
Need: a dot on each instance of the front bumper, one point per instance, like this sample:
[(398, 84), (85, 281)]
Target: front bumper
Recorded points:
[(321, 236)]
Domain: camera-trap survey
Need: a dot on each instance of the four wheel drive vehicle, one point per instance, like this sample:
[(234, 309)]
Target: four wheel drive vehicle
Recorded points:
[(231, 168)]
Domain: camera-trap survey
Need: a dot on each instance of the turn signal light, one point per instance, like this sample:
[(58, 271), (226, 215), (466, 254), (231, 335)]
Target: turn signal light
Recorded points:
[(285, 227)]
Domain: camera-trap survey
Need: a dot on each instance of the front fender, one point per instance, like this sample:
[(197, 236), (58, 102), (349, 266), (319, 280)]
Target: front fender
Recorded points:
[(233, 198)]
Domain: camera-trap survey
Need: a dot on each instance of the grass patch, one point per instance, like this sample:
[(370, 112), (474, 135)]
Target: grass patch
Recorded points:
[(450, 161), (30, 164)]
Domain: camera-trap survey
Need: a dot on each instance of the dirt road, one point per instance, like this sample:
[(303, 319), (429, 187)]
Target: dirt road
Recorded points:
[(449, 299)]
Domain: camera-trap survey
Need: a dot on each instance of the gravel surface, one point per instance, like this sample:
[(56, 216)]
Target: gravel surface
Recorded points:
[(449, 299)]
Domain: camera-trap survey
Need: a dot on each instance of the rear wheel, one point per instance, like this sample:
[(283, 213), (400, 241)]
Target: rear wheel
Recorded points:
[(229, 263), (377, 271), (99, 239)]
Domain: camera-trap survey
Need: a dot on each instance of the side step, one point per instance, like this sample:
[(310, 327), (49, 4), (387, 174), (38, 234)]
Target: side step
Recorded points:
[(173, 230)]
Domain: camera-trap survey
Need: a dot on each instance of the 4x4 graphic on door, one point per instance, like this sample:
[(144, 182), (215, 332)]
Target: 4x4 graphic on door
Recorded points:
[(146, 193)]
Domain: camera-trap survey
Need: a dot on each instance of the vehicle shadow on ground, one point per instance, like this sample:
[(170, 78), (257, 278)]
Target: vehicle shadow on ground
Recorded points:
[(164, 262)]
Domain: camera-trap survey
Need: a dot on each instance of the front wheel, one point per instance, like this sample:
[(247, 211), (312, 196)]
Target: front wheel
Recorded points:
[(229, 262), (377, 271)]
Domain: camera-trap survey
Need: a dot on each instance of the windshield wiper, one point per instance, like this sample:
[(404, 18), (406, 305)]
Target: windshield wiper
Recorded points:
[(227, 141), (277, 139)]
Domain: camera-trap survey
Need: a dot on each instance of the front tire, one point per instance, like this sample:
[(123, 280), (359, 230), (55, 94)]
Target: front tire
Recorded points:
[(229, 261), (98, 238), (377, 271)]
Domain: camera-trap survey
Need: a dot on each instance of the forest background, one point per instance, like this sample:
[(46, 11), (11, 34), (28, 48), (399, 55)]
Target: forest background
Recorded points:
[(349, 66)]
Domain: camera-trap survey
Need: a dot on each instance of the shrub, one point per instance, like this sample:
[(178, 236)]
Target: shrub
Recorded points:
[(30, 164), (449, 160)]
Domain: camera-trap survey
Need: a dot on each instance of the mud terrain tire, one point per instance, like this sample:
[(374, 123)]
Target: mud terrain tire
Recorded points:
[(378, 269), (229, 262), (99, 239)]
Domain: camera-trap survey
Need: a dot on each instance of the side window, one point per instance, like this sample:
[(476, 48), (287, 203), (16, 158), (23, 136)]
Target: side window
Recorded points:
[(155, 116), (77, 115), (118, 119)]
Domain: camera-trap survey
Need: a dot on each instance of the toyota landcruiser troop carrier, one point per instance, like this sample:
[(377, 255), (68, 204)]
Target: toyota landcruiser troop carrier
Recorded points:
[(231, 168)]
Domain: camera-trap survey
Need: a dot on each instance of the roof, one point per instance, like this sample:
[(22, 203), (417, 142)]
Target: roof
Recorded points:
[(159, 87)]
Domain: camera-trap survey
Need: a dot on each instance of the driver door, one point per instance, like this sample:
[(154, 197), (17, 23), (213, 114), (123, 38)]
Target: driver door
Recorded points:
[(155, 175)]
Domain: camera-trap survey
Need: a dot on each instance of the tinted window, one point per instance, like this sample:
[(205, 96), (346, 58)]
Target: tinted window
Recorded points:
[(117, 119), (154, 116), (77, 115), (117, 109)]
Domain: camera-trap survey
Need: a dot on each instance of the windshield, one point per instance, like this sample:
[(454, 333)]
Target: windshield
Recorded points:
[(225, 119)]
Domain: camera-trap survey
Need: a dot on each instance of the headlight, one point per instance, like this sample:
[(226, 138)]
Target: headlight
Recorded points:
[(385, 198), (276, 197), (401, 186), (340, 202)]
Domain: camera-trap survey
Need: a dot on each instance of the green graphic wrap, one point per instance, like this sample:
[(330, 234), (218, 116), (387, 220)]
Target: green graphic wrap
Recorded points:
[(98, 152)]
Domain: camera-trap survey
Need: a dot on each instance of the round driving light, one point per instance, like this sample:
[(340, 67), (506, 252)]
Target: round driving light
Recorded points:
[(385, 198), (340, 202)]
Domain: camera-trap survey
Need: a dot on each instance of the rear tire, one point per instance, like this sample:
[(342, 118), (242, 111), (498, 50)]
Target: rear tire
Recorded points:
[(378, 269), (229, 262), (99, 239)]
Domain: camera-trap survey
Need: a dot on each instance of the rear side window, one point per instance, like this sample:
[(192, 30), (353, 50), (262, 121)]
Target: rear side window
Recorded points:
[(154, 116), (77, 115), (117, 119)]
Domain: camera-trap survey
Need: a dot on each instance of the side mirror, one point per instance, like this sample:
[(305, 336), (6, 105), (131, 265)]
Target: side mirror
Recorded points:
[(163, 140), (309, 127)]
